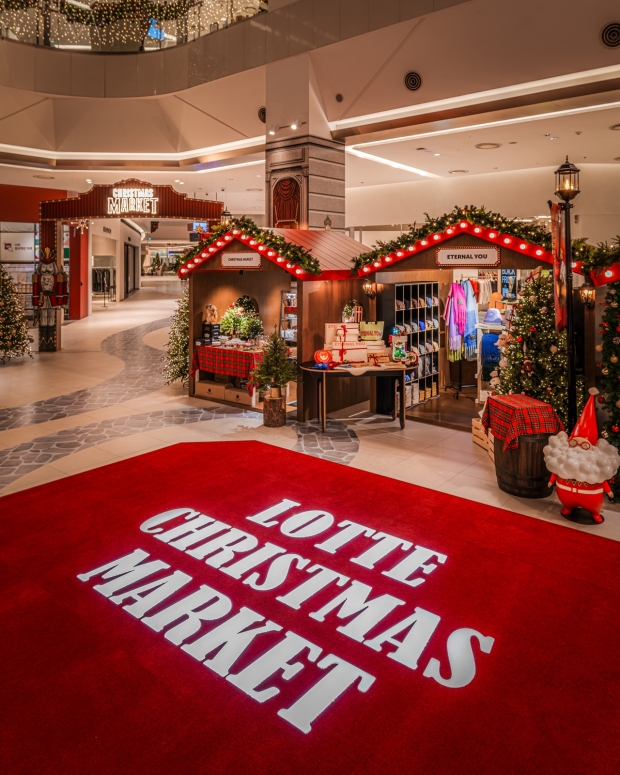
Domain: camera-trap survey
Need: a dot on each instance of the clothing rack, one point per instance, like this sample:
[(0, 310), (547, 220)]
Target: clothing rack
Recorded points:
[(459, 387)]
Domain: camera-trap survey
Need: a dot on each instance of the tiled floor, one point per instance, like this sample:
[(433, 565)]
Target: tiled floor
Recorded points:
[(103, 399)]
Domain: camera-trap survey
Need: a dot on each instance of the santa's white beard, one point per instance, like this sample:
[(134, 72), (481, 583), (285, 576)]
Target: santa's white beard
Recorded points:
[(594, 465)]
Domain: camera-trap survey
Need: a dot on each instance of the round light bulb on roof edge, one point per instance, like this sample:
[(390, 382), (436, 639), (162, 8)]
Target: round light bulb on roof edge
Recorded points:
[(252, 242), (435, 236), (211, 250), (523, 246), (492, 235), (377, 263), (463, 224), (449, 231), (539, 252), (366, 269), (279, 259), (507, 240), (608, 273), (235, 231), (227, 237), (423, 242), (219, 244), (477, 229), (289, 266), (271, 253), (574, 265), (388, 258), (399, 253), (204, 255), (261, 247), (298, 271)]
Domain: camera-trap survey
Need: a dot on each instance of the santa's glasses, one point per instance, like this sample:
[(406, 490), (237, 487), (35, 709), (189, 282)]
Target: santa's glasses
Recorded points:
[(582, 444)]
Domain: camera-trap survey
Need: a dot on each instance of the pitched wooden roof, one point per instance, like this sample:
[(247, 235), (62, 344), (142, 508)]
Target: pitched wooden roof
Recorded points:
[(333, 250)]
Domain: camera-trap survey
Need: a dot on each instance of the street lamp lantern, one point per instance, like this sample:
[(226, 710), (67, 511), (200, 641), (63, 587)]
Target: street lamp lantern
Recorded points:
[(225, 217), (567, 181), (588, 294)]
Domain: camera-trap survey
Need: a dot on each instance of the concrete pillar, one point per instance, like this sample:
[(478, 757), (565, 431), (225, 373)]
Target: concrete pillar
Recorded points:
[(304, 166)]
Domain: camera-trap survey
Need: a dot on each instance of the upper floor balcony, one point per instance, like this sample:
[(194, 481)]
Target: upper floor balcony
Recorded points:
[(119, 25)]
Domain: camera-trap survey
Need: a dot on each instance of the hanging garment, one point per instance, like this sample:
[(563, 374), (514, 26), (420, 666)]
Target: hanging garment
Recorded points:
[(476, 288), (490, 354), (471, 318), (455, 315), (484, 291)]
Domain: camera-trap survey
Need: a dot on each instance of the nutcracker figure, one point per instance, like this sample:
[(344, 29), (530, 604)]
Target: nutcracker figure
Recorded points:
[(582, 465), (49, 293)]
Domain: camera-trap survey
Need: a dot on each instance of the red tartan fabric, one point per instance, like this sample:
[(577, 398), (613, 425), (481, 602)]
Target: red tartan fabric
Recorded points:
[(224, 360), (516, 415)]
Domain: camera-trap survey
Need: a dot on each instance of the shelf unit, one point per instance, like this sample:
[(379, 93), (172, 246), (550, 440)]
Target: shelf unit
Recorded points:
[(426, 377), (288, 316)]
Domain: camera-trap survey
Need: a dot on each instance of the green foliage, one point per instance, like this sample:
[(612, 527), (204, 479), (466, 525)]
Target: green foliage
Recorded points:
[(14, 337), (246, 303), (480, 216), (534, 361), (275, 370), (595, 259), (293, 254), (610, 380), (251, 326), (241, 322), (177, 356)]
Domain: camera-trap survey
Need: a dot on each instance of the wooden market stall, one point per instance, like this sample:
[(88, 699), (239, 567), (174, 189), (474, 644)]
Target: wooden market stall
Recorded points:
[(237, 265), (424, 272)]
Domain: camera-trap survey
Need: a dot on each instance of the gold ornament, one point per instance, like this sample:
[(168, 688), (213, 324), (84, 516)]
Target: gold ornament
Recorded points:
[(599, 348), (605, 371), (618, 404), (614, 359)]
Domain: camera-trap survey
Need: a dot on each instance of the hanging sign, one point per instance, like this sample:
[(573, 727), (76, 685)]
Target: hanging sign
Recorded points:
[(558, 248), (17, 247), (241, 260), (132, 200), (455, 257)]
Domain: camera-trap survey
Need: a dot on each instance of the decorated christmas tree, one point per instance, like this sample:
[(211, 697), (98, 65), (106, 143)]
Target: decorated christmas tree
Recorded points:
[(177, 355), (534, 357), (14, 338), (275, 370), (610, 370)]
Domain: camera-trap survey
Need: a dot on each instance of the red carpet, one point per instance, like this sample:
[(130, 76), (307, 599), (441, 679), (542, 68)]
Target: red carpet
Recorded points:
[(514, 628)]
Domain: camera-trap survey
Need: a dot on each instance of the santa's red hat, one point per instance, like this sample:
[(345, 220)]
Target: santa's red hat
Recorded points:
[(586, 426)]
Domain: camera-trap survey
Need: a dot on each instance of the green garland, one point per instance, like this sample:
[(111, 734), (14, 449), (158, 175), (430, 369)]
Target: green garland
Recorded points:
[(595, 259), (610, 369), (102, 14), (480, 216), (291, 253)]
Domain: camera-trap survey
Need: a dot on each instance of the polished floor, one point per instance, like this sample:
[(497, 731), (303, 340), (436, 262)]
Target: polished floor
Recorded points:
[(102, 398)]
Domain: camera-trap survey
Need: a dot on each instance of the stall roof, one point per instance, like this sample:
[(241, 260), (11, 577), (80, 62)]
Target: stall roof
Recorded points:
[(432, 241), (334, 251)]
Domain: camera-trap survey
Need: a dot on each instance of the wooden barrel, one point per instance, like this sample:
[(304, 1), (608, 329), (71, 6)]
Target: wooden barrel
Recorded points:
[(522, 471)]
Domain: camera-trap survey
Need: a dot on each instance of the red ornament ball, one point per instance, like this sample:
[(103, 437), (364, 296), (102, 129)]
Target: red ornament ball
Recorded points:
[(617, 328), (615, 428), (601, 399), (519, 339), (532, 330)]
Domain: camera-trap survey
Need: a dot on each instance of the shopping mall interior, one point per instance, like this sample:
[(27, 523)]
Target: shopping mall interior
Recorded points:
[(373, 243)]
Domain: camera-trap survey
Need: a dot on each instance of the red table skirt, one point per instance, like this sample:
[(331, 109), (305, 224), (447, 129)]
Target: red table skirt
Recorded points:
[(516, 415), (224, 360)]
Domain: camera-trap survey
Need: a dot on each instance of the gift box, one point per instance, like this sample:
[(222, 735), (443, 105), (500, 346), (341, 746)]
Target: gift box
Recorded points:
[(380, 345), (332, 330), (354, 352)]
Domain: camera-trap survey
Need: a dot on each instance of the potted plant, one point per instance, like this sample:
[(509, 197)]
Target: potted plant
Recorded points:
[(274, 372)]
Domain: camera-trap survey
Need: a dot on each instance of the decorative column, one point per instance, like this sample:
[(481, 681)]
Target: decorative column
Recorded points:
[(78, 272), (304, 179)]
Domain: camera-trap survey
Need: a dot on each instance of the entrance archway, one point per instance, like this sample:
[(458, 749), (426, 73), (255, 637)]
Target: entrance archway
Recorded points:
[(130, 198)]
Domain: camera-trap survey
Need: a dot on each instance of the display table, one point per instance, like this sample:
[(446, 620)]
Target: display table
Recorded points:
[(521, 427), (325, 376), (226, 360)]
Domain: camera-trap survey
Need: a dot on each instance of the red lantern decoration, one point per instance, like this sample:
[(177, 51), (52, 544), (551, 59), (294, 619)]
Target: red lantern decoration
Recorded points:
[(323, 356)]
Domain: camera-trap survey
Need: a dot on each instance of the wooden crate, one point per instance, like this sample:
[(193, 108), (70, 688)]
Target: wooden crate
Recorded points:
[(478, 435)]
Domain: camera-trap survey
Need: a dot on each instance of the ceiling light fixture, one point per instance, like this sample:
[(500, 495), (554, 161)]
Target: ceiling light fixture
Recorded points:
[(389, 163), (458, 172), (88, 180), (488, 146)]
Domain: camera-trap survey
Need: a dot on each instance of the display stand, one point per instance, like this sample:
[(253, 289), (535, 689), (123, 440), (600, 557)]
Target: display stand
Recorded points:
[(459, 387)]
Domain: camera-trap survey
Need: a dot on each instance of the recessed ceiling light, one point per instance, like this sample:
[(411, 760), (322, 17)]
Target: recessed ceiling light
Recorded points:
[(259, 176), (458, 172), (437, 154), (553, 138), (88, 180), (44, 177), (488, 146), (181, 183), (615, 127)]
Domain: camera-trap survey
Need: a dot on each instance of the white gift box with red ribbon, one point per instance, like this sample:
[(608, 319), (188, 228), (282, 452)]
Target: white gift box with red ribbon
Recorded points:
[(354, 352)]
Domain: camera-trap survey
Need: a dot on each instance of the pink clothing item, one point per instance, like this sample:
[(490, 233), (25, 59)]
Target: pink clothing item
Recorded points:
[(455, 315)]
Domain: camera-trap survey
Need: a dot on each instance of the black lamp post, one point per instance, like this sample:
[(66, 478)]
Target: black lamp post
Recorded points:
[(567, 188), (225, 218)]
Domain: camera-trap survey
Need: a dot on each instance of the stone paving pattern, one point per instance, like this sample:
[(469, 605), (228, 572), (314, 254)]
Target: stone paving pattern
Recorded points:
[(141, 375)]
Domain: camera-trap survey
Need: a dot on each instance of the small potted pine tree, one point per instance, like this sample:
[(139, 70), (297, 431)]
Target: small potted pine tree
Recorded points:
[(274, 372)]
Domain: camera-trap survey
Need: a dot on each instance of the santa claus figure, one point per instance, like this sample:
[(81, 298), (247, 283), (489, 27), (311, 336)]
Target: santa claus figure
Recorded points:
[(49, 293), (582, 465)]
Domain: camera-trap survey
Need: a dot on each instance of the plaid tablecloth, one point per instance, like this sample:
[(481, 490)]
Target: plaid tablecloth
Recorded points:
[(516, 415), (225, 360)]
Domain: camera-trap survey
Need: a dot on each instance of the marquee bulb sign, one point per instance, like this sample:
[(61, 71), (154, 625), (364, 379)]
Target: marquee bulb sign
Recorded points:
[(132, 200), (220, 633)]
